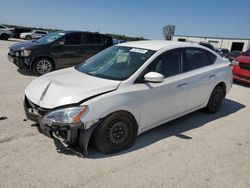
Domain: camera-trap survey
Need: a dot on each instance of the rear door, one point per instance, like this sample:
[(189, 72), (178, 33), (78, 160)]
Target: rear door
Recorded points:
[(198, 64), (92, 44)]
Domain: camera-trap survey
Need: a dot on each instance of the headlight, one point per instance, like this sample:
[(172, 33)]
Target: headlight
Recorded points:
[(26, 53), (65, 116)]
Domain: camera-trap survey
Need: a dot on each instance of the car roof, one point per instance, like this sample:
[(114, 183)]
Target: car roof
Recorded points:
[(156, 45), (76, 31)]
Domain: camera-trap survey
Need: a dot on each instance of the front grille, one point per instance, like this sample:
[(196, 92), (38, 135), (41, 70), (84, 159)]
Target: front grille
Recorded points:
[(245, 66)]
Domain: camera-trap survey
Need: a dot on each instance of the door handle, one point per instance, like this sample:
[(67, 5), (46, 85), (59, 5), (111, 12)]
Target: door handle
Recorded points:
[(212, 76), (182, 85)]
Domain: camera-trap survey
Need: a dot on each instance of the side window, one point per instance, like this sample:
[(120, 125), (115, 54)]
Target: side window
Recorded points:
[(247, 53), (107, 41), (168, 64), (98, 39), (194, 58), (73, 39), (89, 38), (212, 57)]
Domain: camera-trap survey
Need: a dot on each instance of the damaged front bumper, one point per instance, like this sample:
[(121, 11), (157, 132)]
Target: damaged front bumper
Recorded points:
[(21, 62), (72, 134)]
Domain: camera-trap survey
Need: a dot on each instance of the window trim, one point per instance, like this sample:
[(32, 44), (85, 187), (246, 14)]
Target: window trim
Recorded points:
[(140, 80)]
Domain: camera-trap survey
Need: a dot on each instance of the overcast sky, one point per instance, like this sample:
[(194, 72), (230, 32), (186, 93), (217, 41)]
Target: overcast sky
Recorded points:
[(226, 18)]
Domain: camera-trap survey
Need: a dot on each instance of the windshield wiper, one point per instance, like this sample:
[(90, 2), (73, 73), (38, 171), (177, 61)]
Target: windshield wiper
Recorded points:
[(88, 73)]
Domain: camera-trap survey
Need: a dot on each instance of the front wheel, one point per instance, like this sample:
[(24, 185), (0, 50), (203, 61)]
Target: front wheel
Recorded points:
[(4, 37), (42, 66), (117, 132), (215, 100)]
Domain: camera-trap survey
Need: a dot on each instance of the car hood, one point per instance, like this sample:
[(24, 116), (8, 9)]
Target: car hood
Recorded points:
[(23, 45), (243, 59), (66, 86)]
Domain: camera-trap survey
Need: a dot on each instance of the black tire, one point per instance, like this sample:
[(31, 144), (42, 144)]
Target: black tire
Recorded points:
[(28, 37), (4, 36), (117, 132), (215, 100), (42, 66)]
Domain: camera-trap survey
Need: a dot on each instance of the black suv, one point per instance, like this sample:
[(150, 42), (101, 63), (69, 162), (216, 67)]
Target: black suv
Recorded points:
[(57, 50)]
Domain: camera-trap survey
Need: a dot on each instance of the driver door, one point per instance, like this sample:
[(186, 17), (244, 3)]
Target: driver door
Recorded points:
[(70, 53), (163, 101)]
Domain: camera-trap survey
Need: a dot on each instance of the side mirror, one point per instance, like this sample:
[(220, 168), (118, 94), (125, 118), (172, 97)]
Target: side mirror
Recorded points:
[(154, 77)]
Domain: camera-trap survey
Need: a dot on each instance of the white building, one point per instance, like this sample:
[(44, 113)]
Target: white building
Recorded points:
[(218, 42)]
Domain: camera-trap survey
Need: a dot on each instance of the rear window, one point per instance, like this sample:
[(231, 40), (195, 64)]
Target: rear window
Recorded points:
[(98, 39), (40, 32), (247, 53), (194, 58), (91, 38), (108, 41)]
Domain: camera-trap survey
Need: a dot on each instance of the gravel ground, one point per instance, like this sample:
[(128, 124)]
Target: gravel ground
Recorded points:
[(198, 150)]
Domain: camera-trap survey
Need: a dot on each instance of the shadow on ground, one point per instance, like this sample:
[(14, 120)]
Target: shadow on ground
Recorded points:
[(174, 128), (241, 84), (26, 72)]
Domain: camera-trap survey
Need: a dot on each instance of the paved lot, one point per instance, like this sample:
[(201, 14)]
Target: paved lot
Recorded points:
[(198, 150)]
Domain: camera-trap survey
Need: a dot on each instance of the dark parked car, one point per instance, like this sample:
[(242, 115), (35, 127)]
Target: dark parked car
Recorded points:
[(57, 50), (207, 44), (18, 30), (223, 52), (234, 54)]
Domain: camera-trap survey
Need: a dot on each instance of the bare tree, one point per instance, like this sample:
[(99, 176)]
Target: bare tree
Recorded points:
[(168, 31)]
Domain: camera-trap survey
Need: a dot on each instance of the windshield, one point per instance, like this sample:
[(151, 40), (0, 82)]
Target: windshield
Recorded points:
[(234, 53), (247, 53), (50, 37), (116, 62)]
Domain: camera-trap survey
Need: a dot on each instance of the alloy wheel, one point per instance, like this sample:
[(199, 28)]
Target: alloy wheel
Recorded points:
[(43, 67)]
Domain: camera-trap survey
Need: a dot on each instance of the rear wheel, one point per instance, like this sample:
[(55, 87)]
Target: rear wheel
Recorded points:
[(215, 100), (116, 133), (42, 66), (28, 37)]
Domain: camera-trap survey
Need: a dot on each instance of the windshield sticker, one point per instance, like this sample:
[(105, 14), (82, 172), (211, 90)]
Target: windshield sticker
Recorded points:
[(137, 50)]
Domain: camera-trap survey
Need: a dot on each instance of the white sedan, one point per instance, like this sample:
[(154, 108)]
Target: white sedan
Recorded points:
[(125, 90)]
